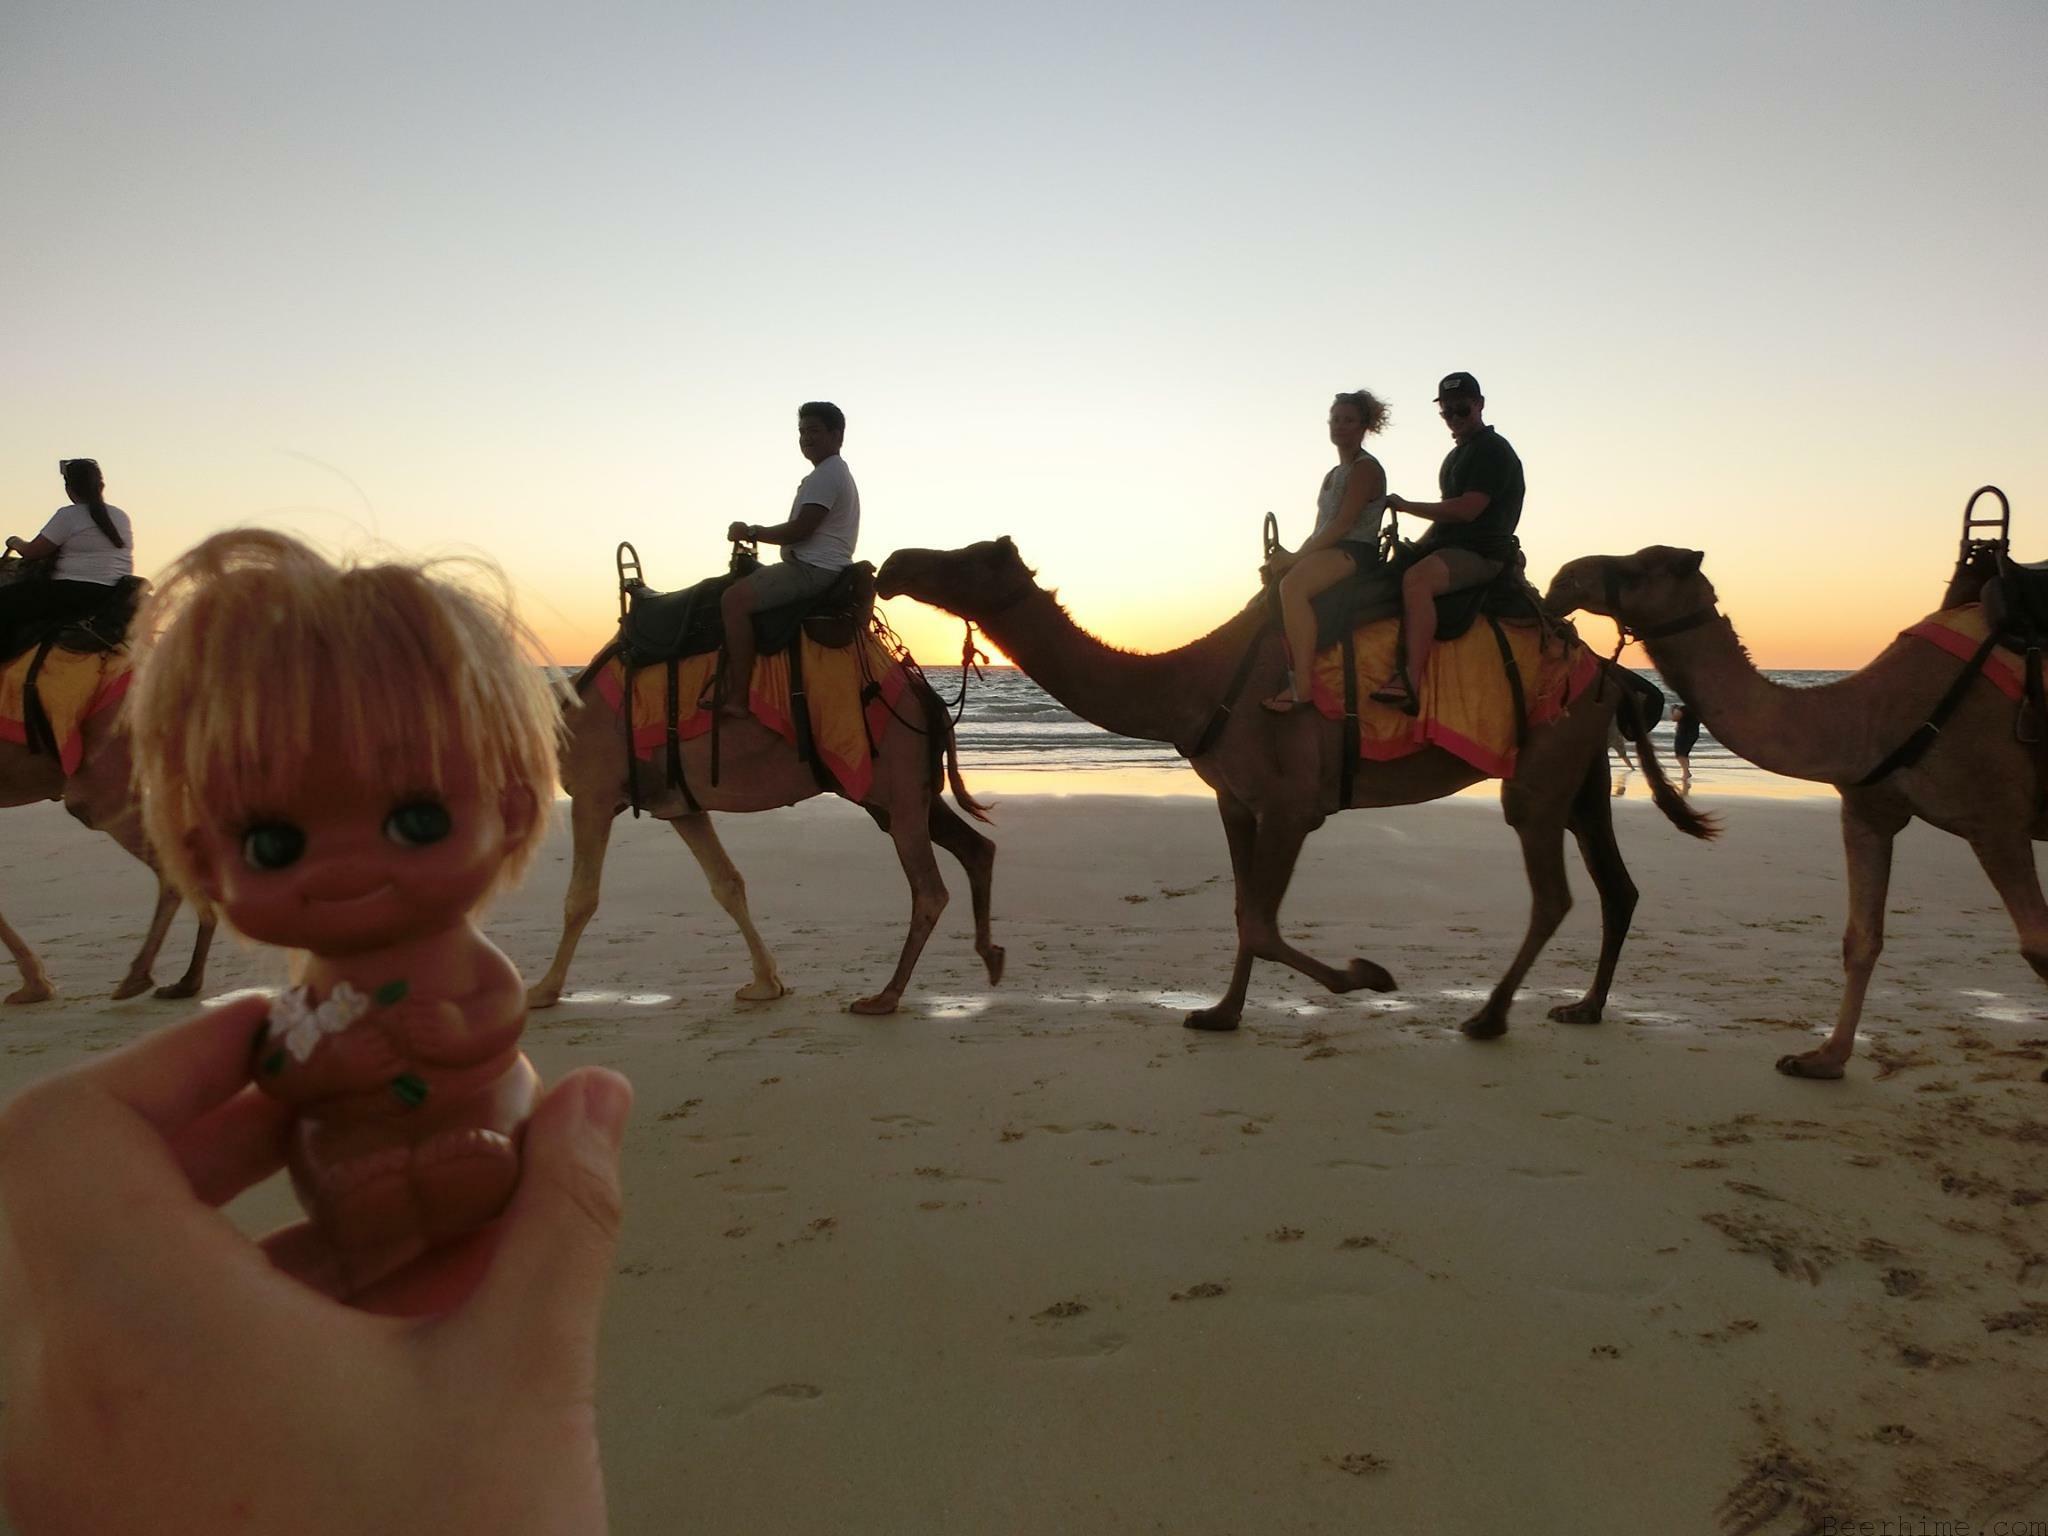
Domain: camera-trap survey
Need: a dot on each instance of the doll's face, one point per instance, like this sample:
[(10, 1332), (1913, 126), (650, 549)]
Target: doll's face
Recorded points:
[(340, 866)]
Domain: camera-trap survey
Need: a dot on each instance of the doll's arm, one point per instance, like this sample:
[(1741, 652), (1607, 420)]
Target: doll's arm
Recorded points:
[(460, 1031)]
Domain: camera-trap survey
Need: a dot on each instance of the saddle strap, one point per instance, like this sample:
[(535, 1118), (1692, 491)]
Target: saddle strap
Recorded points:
[(676, 777), (800, 717), (1516, 694), (1347, 747), (1914, 747), (42, 736), (626, 712), (1220, 716)]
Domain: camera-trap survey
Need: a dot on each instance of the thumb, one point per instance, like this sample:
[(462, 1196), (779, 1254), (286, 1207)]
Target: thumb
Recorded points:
[(538, 1306)]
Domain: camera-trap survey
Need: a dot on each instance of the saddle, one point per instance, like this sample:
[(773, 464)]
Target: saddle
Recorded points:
[(2016, 613), (1375, 594), (103, 627), (667, 626)]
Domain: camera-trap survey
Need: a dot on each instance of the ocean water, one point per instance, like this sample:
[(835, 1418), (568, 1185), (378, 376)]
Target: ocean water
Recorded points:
[(1015, 738)]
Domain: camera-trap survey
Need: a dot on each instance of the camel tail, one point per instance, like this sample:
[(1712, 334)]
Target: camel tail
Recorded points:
[(944, 751), (1635, 717)]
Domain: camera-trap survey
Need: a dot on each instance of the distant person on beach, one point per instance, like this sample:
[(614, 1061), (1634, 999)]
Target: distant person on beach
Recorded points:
[(1473, 539), (817, 544), (1345, 540), (92, 546), (167, 1374), (1685, 735)]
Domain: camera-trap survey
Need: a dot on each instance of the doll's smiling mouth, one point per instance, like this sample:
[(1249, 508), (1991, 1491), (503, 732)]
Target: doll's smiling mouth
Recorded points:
[(350, 899)]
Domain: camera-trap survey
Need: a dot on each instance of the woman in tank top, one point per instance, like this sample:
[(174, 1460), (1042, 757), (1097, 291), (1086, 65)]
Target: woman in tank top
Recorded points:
[(1346, 539), (91, 546)]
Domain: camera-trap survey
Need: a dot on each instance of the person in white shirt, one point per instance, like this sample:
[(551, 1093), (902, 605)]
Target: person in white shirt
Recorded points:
[(92, 546), (817, 544)]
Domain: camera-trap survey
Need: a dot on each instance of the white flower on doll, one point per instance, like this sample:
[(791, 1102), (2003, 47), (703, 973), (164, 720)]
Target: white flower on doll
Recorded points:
[(301, 1025)]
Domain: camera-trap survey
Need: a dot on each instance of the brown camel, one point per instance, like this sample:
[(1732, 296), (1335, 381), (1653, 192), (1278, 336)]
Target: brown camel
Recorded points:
[(759, 771), (101, 794), (1976, 781), (1276, 776)]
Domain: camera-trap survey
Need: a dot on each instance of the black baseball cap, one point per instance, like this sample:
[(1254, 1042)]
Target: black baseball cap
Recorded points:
[(1454, 384)]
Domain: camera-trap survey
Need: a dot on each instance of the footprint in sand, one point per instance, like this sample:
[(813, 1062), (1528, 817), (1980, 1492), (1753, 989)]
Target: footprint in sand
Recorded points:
[(786, 1392), (1161, 1180), (1549, 1173), (1064, 1344), (906, 1122), (947, 1176)]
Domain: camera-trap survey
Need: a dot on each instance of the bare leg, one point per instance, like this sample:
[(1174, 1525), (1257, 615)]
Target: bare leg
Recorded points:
[(1550, 899), (1867, 834), (912, 836), (138, 979), (1425, 582), (35, 981), (1592, 823), (977, 855), (590, 825), (1241, 830), (1310, 576), (736, 607), (730, 892)]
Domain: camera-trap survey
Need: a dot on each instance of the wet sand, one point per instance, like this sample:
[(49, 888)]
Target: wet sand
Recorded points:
[(1037, 1259)]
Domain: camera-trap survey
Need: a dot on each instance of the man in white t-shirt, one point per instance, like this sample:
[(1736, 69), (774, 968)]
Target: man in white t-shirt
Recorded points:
[(817, 544), (90, 546)]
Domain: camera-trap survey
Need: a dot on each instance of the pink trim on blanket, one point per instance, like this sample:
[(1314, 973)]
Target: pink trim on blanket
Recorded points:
[(1998, 666)]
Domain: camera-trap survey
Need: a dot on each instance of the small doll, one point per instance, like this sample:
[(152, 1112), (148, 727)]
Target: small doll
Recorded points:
[(348, 761)]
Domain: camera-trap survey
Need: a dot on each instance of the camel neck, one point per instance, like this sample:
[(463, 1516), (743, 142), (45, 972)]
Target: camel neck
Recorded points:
[(1832, 734), (1166, 696)]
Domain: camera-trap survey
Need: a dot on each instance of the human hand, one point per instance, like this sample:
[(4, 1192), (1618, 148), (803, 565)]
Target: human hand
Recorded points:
[(164, 1373), (738, 533), (1396, 503)]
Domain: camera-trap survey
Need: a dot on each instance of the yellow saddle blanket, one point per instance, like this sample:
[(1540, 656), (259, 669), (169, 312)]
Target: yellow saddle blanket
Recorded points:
[(843, 723), (1468, 709), (1959, 631), (73, 686)]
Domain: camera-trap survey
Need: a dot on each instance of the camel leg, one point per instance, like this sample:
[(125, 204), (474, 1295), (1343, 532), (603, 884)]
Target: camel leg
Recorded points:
[(188, 985), (35, 981), (590, 826), (1241, 830), (730, 891), (1275, 849), (913, 840), (1867, 843), (1550, 899), (977, 855), (138, 979), (1592, 824), (2009, 861)]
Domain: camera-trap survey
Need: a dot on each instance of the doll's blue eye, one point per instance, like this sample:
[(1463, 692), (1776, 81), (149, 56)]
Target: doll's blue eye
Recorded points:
[(418, 822), (273, 845)]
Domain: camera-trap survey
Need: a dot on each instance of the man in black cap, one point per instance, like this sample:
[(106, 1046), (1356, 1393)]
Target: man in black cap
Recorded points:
[(1473, 539)]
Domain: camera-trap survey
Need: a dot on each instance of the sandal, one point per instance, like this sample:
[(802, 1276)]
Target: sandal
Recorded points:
[(1285, 703), (1398, 692)]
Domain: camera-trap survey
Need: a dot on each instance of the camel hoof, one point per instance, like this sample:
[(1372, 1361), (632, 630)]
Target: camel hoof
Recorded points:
[(30, 993), (1576, 1013), (761, 991), (542, 997), (176, 990), (132, 986), (873, 1007), (993, 957), (1215, 1020), (1484, 1026), (1812, 1066), (1363, 973)]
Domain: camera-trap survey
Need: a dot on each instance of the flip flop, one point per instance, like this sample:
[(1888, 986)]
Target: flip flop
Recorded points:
[(1398, 693), (1284, 703), (1812, 1071)]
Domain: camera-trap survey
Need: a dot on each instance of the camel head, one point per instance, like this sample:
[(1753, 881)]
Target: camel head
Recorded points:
[(976, 582), (1650, 587)]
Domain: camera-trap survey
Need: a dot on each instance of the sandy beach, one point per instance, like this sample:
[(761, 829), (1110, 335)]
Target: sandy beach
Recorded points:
[(1036, 1259)]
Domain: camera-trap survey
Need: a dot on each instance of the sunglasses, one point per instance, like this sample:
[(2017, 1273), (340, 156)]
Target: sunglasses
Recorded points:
[(65, 466), (1456, 412)]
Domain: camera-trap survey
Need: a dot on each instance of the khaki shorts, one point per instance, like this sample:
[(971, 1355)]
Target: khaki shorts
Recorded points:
[(1466, 569), (789, 581)]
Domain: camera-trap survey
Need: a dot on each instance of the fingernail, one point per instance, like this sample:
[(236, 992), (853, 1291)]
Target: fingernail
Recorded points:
[(607, 1101)]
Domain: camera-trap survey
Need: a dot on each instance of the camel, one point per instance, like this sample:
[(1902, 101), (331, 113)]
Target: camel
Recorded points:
[(101, 794), (1976, 781), (759, 771), (1276, 777)]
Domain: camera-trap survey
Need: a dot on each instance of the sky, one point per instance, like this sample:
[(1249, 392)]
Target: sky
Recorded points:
[(1762, 279)]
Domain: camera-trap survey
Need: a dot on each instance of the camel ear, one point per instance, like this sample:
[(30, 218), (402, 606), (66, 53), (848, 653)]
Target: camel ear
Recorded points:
[(1007, 545), (1689, 561)]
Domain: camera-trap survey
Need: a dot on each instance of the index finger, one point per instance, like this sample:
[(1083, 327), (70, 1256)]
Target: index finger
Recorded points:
[(175, 1075)]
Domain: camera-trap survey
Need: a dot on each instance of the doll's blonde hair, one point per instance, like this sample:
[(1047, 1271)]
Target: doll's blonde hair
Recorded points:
[(257, 653)]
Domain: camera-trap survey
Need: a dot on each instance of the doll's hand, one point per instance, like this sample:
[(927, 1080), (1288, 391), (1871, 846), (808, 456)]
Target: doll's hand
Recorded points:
[(166, 1374)]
